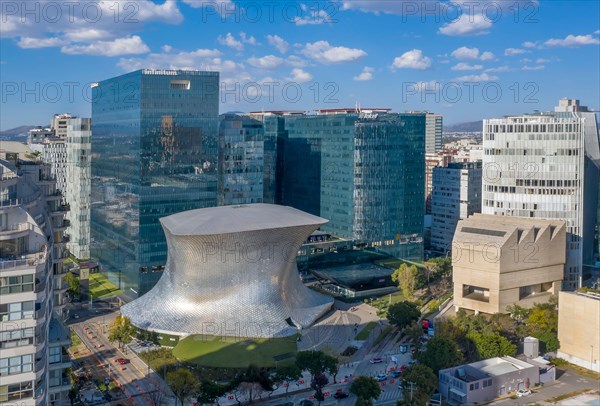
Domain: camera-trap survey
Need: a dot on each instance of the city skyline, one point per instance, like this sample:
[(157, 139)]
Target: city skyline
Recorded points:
[(422, 62)]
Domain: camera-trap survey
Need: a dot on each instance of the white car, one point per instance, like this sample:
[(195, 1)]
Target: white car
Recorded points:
[(521, 393), (381, 377)]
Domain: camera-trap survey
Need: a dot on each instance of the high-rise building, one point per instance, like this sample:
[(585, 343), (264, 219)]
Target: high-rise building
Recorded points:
[(433, 133), (241, 160), (33, 362), (364, 172), (545, 165), (154, 153), (65, 146), (456, 195)]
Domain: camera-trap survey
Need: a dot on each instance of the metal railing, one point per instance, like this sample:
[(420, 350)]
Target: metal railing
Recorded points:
[(28, 260)]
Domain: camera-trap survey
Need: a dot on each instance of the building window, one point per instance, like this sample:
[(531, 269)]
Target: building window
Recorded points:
[(54, 355), (17, 338), (17, 391), (16, 365), (16, 311), (16, 284)]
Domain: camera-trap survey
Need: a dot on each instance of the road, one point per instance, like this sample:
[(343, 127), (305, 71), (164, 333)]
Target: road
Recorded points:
[(135, 379)]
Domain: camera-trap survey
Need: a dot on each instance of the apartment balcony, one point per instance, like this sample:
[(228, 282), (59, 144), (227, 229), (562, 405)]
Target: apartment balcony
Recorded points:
[(54, 196), (15, 231), (61, 225), (21, 200), (26, 261)]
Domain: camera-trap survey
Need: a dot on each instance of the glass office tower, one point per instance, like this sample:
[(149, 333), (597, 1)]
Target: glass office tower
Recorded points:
[(154, 153), (362, 172)]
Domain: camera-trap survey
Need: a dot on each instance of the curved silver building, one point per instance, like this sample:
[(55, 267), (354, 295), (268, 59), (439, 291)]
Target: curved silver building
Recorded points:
[(231, 271)]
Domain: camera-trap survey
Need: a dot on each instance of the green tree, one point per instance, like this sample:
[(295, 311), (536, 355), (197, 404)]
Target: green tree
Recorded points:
[(366, 388), (74, 289), (183, 384), (317, 363), (210, 392), (413, 332), (407, 278), (440, 353), (492, 345), (287, 374), (549, 340), (403, 314), (363, 402), (121, 330), (418, 384), (253, 379)]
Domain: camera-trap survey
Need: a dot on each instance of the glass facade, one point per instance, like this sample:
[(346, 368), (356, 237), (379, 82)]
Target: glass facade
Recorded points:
[(365, 174), (155, 151), (241, 160)]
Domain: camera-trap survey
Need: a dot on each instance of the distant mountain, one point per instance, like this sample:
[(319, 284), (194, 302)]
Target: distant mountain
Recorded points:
[(16, 133), (472, 126)]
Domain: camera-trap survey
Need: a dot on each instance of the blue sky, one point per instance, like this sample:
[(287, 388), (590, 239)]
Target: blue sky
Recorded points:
[(467, 59)]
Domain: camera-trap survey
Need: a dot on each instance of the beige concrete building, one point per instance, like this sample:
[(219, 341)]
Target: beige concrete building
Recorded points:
[(499, 261), (579, 329)]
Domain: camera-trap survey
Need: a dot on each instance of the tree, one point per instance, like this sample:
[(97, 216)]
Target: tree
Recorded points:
[(492, 345), (121, 330), (363, 402), (440, 353), (402, 314), (157, 397), (418, 384), (183, 384), (287, 374), (317, 363), (74, 289), (210, 392), (438, 268), (413, 332), (407, 278), (366, 388), (252, 380)]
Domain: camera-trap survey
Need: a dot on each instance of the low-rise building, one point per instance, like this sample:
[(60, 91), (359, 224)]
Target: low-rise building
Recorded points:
[(500, 261), (579, 328), (485, 380)]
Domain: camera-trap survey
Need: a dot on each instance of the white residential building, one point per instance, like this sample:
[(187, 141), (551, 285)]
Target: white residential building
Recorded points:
[(33, 361), (456, 195), (545, 165)]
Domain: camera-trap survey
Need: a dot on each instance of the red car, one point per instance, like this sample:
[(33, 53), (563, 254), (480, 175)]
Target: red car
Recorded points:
[(403, 368), (376, 360), (122, 361)]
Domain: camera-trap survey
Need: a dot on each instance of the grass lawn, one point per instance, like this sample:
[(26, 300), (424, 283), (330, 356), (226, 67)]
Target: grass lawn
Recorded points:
[(233, 353), (102, 287), (364, 333)]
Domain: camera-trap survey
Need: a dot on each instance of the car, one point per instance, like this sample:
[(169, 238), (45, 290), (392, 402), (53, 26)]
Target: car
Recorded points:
[(381, 377), (122, 361), (523, 392), (396, 374), (412, 362), (403, 368), (340, 395), (376, 360), (306, 402)]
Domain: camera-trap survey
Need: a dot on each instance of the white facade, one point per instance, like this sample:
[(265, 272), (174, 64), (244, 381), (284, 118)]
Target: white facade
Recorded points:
[(545, 166), (456, 195), (66, 146), (32, 292)]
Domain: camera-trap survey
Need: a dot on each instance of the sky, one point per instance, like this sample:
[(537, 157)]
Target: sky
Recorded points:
[(467, 60)]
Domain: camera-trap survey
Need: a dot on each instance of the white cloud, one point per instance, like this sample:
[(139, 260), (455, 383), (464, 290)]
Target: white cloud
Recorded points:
[(250, 40), (499, 69), (466, 66), (300, 76), (573, 41), (29, 43), (323, 52), (413, 59), (87, 34), (470, 54), (230, 41), (542, 60), (279, 43), (166, 48), (296, 61), (266, 62), (529, 44), (198, 59), (484, 77), (467, 25), (120, 46), (540, 67), (223, 7), (314, 17), (514, 51), (365, 75)]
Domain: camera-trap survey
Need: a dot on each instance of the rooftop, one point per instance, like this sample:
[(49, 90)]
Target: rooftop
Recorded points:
[(237, 219)]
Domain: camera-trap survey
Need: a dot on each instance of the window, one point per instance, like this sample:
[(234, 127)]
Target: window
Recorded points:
[(17, 338), (16, 365), (54, 355), (16, 311), (17, 391), (16, 284)]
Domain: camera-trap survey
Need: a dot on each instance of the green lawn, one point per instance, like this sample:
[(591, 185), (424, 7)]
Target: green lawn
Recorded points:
[(364, 333), (233, 353), (102, 287)]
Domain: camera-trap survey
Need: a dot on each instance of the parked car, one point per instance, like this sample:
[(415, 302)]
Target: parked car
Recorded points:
[(412, 362), (122, 361), (396, 374), (381, 377), (376, 360), (403, 368), (340, 395), (306, 402), (523, 392)]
